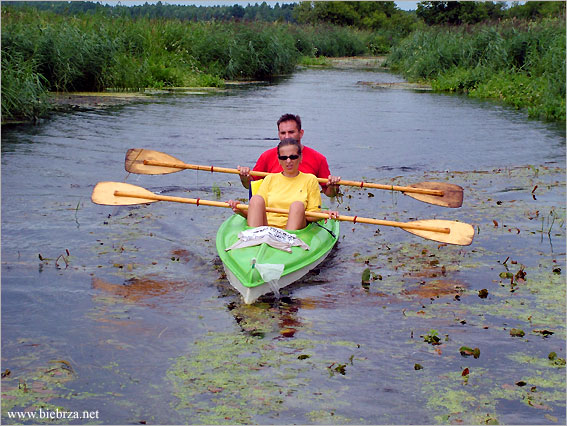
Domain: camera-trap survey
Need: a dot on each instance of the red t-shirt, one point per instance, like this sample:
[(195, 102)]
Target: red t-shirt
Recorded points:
[(311, 162)]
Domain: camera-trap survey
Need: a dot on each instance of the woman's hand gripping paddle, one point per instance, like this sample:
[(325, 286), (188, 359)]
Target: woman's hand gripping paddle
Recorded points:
[(444, 231)]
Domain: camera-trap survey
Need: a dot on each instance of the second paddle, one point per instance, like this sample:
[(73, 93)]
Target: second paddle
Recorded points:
[(149, 162)]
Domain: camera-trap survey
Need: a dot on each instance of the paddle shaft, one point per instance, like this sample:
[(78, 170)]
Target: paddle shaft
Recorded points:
[(354, 219), (321, 180)]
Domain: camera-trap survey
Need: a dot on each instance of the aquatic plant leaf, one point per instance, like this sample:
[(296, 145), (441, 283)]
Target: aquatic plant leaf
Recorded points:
[(432, 338), (465, 372), (341, 369), (520, 275), (366, 276), (466, 351), (517, 332)]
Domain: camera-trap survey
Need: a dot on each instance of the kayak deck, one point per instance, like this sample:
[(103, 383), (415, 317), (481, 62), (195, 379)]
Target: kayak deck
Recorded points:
[(239, 263)]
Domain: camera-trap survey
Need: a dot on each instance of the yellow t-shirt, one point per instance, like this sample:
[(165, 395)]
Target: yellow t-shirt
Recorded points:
[(280, 191)]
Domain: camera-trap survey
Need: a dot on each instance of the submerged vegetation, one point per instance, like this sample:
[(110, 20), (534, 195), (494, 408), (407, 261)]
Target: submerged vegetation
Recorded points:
[(81, 46)]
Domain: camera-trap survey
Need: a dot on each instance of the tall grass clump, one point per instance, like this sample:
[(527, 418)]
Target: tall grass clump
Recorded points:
[(243, 51), (98, 51), (520, 63), (24, 91), (331, 41)]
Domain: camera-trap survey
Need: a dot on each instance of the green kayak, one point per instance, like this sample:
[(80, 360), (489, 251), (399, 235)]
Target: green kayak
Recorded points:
[(245, 266)]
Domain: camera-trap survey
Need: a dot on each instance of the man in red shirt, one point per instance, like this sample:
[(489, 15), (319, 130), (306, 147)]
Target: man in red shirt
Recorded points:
[(289, 126)]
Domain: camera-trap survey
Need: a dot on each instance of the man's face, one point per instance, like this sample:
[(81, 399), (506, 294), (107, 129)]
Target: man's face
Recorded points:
[(288, 129)]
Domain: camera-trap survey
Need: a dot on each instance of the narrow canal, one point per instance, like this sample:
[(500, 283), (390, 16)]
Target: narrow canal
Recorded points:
[(125, 312)]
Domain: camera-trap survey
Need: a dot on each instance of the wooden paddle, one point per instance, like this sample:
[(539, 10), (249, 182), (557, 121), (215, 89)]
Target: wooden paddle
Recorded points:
[(444, 231), (148, 162)]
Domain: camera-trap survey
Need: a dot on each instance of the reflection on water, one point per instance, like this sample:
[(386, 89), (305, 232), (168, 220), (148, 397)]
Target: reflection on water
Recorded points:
[(145, 318)]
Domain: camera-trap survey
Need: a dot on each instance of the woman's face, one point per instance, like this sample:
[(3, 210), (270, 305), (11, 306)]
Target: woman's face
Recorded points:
[(288, 165)]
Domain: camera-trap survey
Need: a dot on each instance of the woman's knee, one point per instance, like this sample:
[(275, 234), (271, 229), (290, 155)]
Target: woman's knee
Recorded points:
[(257, 201), (296, 217), (297, 207)]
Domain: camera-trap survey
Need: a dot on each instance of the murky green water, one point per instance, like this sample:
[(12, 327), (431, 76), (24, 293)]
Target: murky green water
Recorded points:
[(124, 311)]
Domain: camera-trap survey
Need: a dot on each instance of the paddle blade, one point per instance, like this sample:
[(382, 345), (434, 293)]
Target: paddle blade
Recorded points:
[(452, 194), (461, 233), (104, 193), (134, 162)]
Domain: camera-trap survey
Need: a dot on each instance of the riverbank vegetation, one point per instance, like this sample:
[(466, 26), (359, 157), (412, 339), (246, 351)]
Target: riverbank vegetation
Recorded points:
[(457, 46), (519, 63), (43, 51)]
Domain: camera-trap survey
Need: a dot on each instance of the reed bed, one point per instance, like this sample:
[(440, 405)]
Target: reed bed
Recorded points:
[(520, 63), (49, 52)]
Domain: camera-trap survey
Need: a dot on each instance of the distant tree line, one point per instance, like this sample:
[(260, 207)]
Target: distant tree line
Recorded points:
[(474, 12), (367, 15), (187, 12)]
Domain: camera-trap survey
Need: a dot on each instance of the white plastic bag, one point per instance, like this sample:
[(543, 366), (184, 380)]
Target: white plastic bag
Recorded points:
[(270, 273)]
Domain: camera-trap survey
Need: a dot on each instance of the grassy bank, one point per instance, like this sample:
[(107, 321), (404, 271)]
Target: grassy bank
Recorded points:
[(43, 52), (519, 63)]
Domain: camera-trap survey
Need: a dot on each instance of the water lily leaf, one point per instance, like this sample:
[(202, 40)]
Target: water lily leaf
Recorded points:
[(466, 351), (517, 332), (465, 372), (506, 275)]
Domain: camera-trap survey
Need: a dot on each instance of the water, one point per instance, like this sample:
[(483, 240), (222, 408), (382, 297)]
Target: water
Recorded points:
[(125, 310)]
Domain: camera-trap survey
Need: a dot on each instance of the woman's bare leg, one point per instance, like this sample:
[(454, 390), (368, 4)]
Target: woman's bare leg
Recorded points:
[(257, 211), (296, 217)]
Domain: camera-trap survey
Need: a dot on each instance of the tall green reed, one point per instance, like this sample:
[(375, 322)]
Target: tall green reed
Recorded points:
[(92, 52), (520, 63), (24, 92)]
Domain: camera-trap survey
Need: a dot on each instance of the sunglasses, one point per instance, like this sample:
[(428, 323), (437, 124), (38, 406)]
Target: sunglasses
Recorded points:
[(291, 157)]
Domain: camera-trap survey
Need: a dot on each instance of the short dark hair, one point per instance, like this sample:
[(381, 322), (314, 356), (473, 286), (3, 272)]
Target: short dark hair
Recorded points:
[(289, 141), (290, 117)]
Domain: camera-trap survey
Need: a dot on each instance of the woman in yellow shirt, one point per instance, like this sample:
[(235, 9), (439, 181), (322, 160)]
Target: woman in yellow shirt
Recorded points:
[(291, 190)]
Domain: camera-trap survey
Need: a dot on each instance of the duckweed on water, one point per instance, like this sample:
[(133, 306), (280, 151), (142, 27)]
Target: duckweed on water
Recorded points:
[(237, 379)]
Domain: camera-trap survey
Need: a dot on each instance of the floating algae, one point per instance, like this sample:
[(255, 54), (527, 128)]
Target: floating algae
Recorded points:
[(230, 379)]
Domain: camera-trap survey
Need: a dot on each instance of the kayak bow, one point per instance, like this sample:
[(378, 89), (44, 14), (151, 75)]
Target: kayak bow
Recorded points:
[(242, 264)]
